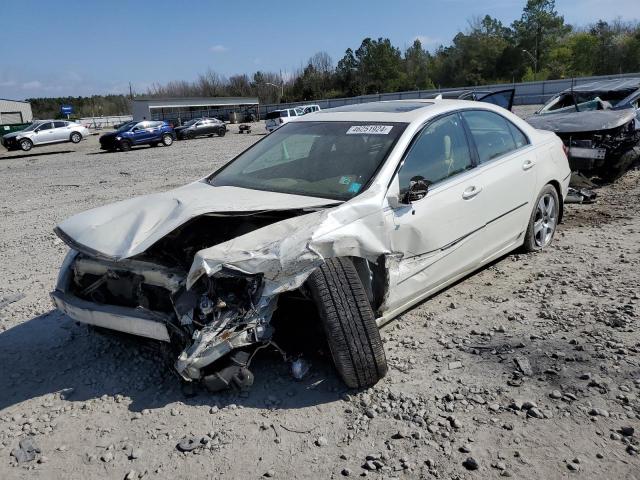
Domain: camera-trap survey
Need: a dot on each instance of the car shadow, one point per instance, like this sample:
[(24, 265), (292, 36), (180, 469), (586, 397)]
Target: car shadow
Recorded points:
[(30, 155), (52, 354)]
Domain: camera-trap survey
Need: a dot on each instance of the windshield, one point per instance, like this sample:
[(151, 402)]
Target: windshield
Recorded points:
[(126, 126), (333, 160), (191, 122)]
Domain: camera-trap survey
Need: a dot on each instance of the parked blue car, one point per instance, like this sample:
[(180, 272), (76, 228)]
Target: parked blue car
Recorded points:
[(138, 133)]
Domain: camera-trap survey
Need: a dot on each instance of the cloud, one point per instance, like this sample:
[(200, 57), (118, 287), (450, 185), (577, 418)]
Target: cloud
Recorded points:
[(33, 84), (8, 83), (218, 49), (427, 41)]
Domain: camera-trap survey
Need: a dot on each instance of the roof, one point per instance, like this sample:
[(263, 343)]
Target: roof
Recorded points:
[(404, 111), (160, 102), (17, 101), (612, 85)]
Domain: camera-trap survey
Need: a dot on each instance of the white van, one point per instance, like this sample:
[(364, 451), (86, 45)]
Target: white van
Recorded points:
[(279, 117)]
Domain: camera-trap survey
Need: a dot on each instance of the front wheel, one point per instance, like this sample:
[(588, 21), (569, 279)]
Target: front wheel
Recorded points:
[(222, 132), (26, 144), (543, 221), (349, 323), (124, 146), (167, 140), (76, 137)]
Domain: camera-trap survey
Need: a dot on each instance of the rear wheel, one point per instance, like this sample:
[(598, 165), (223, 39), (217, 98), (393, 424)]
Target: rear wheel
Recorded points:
[(167, 140), (221, 132), (124, 146), (349, 323), (543, 221), (75, 137), (26, 144)]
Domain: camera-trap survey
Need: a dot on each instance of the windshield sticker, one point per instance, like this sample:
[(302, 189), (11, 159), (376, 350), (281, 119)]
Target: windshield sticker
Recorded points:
[(369, 129), (345, 180), (355, 187)]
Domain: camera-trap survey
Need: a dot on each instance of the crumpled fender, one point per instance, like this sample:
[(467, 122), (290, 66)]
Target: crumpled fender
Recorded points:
[(287, 252)]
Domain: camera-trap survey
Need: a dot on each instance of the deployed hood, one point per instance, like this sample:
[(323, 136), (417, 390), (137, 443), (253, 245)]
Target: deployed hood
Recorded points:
[(575, 122), (129, 227)]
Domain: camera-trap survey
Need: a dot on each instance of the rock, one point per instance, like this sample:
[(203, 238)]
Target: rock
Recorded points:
[(136, 453), (398, 435), (524, 366), (26, 451), (465, 449), (598, 412), (556, 394), (528, 405), (321, 442), (455, 365), (585, 376), (535, 413), (131, 475), (345, 472), (470, 464), (370, 412), (627, 431), (106, 457), (494, 407), (188, 444), (369, 465), (269, 473)]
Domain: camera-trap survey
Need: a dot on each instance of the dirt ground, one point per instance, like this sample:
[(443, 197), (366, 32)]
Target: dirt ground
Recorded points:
[(529, 368)]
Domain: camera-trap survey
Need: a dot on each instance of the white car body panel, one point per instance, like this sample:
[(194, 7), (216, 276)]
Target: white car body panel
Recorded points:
[(424, 246)]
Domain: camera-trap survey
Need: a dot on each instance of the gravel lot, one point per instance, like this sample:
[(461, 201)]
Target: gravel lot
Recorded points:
[(529, 368)]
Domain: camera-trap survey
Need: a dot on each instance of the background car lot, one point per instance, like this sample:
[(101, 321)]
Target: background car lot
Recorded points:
[(90, 400)]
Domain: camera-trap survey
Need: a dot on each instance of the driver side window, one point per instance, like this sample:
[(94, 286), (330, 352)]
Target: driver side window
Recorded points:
[(440, 152)]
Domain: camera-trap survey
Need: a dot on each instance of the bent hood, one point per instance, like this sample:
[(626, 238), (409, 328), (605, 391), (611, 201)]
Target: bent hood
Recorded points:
[(127, 228), (582, 121)]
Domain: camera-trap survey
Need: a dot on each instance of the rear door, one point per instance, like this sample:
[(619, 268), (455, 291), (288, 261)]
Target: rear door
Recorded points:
[(61, 130), (507, 170)]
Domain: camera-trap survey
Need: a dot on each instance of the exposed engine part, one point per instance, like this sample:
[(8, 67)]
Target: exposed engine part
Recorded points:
[(580, 195), (236, 375)]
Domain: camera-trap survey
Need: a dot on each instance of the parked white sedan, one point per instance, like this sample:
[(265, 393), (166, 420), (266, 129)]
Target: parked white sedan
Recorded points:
[(44, 132), (362, 210)]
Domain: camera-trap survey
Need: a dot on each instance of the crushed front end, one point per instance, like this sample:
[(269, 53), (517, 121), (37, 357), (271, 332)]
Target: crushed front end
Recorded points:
[(605, 153), (219, 315)]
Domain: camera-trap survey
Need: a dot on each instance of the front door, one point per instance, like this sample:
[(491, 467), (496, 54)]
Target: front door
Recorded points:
[(44, 134), (437, 237)]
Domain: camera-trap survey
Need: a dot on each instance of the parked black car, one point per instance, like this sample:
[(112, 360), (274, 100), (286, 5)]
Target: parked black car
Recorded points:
[(201, 126)]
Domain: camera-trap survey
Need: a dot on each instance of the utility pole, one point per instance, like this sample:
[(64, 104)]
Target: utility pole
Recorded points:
[(130, 92)]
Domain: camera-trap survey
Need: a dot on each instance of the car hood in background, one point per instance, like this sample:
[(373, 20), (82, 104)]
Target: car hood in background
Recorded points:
[(582, 121), (129, 227)]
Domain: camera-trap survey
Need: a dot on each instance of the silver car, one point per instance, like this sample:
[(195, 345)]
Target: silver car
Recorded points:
[(44, 132)]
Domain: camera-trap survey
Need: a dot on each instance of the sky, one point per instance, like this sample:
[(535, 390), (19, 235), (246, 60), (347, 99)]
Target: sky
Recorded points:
[(54, 48)]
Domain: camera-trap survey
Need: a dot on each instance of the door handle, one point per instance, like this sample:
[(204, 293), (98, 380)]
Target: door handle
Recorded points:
[(471, 192), (527, 165)]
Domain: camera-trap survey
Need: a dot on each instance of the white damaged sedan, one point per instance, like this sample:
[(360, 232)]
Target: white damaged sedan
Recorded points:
[(362, 210)]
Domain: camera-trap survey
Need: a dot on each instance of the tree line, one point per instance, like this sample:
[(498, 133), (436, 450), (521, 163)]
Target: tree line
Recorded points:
[(537, 46)]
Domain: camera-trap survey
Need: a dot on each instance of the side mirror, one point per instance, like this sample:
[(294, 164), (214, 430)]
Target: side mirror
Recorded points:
[(418, 189)]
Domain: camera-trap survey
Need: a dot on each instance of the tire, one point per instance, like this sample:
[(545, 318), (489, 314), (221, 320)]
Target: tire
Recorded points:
[(167, 140), (124, 146), (349, 323), (26, 144), (543, 221), (75, 137), (221, 132)]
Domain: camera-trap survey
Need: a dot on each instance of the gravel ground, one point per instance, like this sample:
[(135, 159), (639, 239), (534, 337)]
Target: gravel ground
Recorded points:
[(530, 368)]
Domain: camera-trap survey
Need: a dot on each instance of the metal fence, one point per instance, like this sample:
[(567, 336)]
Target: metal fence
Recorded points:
[(102, 122), (527, 93)]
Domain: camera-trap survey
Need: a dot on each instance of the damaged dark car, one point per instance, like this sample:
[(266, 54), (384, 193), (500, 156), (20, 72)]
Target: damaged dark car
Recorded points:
[(599, 123)]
